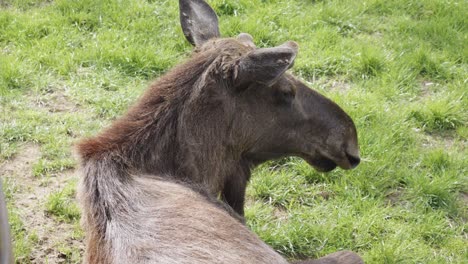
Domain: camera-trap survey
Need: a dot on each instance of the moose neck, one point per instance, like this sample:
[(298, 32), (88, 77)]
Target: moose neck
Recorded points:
[(189, 140)]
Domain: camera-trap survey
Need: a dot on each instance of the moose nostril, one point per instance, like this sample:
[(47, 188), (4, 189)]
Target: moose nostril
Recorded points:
[(354, 161)]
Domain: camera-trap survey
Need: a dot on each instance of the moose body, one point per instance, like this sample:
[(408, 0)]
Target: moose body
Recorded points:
[(153, 220), (151, 179)]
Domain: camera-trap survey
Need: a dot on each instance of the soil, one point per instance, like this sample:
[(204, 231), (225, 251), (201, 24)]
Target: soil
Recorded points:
[(29, 200)]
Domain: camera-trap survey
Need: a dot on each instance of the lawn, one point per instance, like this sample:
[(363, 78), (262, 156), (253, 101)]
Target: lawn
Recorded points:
[(399, 68)]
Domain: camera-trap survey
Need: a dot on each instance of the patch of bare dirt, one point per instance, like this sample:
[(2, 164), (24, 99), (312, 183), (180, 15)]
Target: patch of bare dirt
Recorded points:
[(394, 197), (29, 200), (338, 86), (333, 85), (32, 4), (55, 101), (280, 213), (426, 88), (325, 195), (464, 197), (445, 140)]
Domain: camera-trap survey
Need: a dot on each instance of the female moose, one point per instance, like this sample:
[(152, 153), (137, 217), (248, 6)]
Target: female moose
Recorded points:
[(150, 180)]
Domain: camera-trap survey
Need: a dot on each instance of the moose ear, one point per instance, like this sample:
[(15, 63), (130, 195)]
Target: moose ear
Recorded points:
[(199, 22), (265, 65)]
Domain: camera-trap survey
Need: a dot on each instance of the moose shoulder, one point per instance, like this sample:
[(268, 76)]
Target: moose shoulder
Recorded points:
[(229, 107)]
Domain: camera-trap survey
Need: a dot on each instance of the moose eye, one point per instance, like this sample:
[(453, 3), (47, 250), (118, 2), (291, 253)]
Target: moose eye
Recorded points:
[(289, 93), (286, 96)]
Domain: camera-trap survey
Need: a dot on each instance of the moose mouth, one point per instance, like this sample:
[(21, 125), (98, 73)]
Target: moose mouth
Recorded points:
[(324, 164), (321, 164)]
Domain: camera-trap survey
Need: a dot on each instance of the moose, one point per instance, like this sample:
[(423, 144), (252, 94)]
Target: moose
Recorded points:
[(150, 181)]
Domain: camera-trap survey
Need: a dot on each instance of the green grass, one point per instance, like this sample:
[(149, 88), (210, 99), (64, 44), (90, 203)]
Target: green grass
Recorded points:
[(399, 68), (61, 204)]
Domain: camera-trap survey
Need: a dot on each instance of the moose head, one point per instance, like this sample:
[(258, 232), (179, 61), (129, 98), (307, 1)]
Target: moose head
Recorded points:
[(271, 113), (260, 111)]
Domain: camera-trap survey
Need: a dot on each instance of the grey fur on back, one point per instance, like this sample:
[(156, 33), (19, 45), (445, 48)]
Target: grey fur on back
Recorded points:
[(154, 220)]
